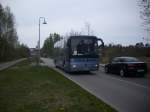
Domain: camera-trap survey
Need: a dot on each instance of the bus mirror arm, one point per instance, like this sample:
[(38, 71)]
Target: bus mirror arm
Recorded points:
[(102, 43)]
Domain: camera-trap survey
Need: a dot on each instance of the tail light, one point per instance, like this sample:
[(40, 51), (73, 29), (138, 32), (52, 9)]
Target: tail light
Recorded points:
[(131, 66)]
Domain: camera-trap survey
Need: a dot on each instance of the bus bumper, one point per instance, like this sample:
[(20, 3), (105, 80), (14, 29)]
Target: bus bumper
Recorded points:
[(83, 67)]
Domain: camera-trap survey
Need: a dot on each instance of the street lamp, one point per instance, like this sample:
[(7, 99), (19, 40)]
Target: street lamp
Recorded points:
[(44, 22)]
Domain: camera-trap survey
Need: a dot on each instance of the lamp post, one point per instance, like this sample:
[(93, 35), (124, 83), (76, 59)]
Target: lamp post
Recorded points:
[(44, 22)]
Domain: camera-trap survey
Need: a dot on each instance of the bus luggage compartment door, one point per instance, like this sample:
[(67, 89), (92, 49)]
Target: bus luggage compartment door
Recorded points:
[(84, 64)]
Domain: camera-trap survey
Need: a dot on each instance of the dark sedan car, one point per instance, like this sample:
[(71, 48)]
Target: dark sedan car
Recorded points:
[(126, 66)]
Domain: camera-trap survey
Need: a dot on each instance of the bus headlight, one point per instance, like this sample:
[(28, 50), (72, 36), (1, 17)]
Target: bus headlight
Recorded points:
[(96, 65), (74, 66)]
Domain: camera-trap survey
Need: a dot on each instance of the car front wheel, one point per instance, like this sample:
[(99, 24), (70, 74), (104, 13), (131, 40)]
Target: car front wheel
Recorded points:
[(122, 73)]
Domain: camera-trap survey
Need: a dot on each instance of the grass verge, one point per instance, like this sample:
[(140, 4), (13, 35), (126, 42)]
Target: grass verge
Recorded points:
[(26, 88)]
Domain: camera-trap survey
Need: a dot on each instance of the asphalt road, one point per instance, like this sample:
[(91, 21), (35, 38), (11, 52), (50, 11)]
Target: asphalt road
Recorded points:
[(131, 94)]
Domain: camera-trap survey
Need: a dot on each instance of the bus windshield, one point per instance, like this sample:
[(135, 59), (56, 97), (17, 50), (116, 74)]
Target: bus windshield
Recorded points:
[(84, 46)]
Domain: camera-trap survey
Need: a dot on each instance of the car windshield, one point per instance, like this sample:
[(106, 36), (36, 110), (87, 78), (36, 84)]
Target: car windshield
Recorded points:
[(83, 46), (130, 59)]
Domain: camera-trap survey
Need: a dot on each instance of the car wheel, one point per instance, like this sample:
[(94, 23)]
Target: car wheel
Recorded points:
[(122, 73), (106, 70)]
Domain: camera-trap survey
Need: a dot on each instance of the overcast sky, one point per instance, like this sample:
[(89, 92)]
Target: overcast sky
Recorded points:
[(115, 21)]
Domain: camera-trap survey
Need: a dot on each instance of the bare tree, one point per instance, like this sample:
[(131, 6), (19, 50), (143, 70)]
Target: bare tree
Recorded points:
[(74, 33), (145, 13), (10, 47), (88, 28)]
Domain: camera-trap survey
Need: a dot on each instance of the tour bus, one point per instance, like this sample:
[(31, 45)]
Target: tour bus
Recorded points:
[(78, 53)]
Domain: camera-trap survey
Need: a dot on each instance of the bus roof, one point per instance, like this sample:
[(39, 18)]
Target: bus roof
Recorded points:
[(83, 36), (61, 43)]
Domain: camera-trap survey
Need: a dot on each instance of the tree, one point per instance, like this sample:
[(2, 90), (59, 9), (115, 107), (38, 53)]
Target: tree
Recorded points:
[(145, 13), (22, 51), (56, 37), (147, 45), (74, 33), (8, 37), (88, 28), (48, 47), (140, 44)]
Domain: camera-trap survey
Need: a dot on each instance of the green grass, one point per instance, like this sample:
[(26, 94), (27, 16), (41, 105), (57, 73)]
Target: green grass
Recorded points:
[(26, 88)]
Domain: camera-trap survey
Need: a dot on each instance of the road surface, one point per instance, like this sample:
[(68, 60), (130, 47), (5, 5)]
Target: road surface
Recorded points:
[(130, 94), (9, 64)]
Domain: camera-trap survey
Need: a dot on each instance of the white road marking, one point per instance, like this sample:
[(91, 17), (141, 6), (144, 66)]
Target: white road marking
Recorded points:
[(138, 85), (135, 84)]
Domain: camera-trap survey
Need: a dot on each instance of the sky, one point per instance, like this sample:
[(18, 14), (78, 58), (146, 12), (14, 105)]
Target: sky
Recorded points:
[(115, 21)]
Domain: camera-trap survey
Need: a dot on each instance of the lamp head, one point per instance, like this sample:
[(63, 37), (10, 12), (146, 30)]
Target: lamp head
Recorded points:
[(44, 22)]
